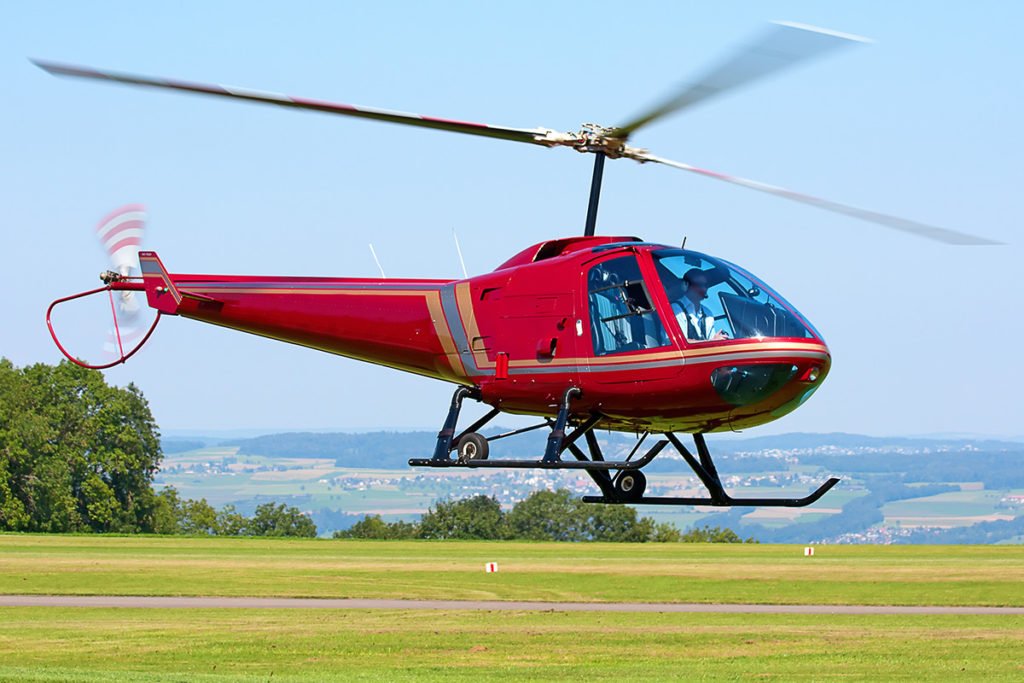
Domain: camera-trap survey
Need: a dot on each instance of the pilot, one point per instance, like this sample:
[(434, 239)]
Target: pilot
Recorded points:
[(696, 321)]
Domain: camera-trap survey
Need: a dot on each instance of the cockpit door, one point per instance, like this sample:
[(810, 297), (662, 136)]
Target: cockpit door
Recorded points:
[(622, 330)]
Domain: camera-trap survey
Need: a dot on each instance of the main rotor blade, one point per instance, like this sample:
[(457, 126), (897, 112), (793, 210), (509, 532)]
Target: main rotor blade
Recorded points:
[(782, 46), (913, 227), (482, 129)]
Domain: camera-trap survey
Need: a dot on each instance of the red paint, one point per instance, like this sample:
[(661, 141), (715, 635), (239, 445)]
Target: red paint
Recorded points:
[(491, 332)]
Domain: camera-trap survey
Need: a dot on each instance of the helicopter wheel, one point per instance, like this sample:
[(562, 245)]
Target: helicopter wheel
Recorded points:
[(473, 446), (630, 485)]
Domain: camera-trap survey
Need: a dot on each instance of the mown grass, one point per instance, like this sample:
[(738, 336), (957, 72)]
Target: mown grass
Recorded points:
[(869, 575), (49, 644)]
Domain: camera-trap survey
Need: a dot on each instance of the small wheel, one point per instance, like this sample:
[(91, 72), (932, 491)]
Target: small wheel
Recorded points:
[(630, 485), (473, 446)]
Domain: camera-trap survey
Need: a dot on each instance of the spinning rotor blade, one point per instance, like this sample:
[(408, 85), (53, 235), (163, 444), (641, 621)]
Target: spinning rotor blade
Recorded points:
[(782, 46), (120, 234), (534, 136), (921, 229)]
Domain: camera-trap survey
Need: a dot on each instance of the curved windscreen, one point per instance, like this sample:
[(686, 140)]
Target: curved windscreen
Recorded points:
[(713, 299)]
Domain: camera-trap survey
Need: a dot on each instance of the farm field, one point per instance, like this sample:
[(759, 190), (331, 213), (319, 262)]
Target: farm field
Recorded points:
[(222, 476), (957, 508), (585, 572)]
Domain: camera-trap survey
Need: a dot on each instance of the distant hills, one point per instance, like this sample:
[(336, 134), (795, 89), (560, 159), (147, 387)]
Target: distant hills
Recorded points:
[(952, 478), (392, 449), (840, 440)]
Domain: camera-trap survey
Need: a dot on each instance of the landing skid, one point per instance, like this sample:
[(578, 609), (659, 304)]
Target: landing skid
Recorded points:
[(628, 483)]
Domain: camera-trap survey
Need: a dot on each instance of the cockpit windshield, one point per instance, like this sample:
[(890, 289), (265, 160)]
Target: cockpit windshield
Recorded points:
[(713, 299)]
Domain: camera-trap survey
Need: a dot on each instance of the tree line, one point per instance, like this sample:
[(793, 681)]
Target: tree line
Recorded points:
[(542, 516), (78, 455)]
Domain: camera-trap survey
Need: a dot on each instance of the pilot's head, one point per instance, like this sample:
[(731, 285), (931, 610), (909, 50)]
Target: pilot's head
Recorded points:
[(695, 284)]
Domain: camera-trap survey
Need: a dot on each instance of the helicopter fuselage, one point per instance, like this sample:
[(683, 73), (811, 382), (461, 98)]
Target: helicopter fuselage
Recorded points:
[(527, 331)]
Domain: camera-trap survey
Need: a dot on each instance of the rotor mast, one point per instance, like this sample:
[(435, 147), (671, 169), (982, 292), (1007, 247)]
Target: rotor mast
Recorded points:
[(595, 195)]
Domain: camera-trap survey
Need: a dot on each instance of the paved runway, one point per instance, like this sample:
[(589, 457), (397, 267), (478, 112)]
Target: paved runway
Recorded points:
[(494, 605)]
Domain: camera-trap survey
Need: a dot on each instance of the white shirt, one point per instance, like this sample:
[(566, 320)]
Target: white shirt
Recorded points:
[(694, 317)]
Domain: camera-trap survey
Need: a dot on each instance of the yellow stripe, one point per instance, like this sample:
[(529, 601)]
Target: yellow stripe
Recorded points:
[(444, 336), (464, 302)]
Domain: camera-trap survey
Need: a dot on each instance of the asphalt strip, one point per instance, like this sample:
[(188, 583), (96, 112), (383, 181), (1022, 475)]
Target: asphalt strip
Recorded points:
[(148, 602)]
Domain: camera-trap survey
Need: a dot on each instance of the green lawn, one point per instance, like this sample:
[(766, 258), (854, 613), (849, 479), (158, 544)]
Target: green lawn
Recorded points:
[(872, 575), (94, 644), (49, 644)]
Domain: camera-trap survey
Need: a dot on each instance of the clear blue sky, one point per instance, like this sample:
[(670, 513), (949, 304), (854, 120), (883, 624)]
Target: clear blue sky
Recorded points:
[(923, 123)]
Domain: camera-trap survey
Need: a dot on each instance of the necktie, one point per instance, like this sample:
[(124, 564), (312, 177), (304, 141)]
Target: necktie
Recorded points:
[(700, 323)]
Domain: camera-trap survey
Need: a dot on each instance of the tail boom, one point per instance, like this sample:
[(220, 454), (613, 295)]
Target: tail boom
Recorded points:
[(399, 323)]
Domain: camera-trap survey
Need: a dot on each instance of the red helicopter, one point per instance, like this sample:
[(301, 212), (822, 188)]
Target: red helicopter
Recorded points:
[(588, 332)]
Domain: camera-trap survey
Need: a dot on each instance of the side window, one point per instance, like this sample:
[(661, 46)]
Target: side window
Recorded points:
[(622, 317)]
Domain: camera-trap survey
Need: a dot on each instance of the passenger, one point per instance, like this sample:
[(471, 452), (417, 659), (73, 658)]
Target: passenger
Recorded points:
[(696, 321)]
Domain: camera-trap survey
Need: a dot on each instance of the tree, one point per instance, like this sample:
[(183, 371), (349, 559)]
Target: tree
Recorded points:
[(230, 522), (616, 523), (713, 534), (560, 516), (477, 517), (272, 519), (666, 532), (374, 527), (175, 515), (75, 453), (548, 516)]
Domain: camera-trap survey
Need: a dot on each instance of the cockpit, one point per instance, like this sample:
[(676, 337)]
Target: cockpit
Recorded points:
[(710, 300)]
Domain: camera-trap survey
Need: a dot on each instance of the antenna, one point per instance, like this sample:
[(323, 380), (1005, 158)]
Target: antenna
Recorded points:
[(377, 261), (458, 248), (682, 246)]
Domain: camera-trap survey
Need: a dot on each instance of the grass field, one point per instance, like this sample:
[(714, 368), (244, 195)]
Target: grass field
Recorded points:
[(678, 572), (297, 645), (98, 644)]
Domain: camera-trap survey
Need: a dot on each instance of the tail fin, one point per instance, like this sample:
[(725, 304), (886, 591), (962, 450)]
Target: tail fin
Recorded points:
[(161, 293)]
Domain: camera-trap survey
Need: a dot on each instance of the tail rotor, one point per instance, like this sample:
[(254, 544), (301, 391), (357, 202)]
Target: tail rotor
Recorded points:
[(120, 234)]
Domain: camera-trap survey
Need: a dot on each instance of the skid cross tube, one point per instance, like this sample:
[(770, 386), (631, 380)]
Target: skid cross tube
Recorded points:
[(594, 464), (569, 443), (601, 477), (514, 432), (533, 464), (708, 474)]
